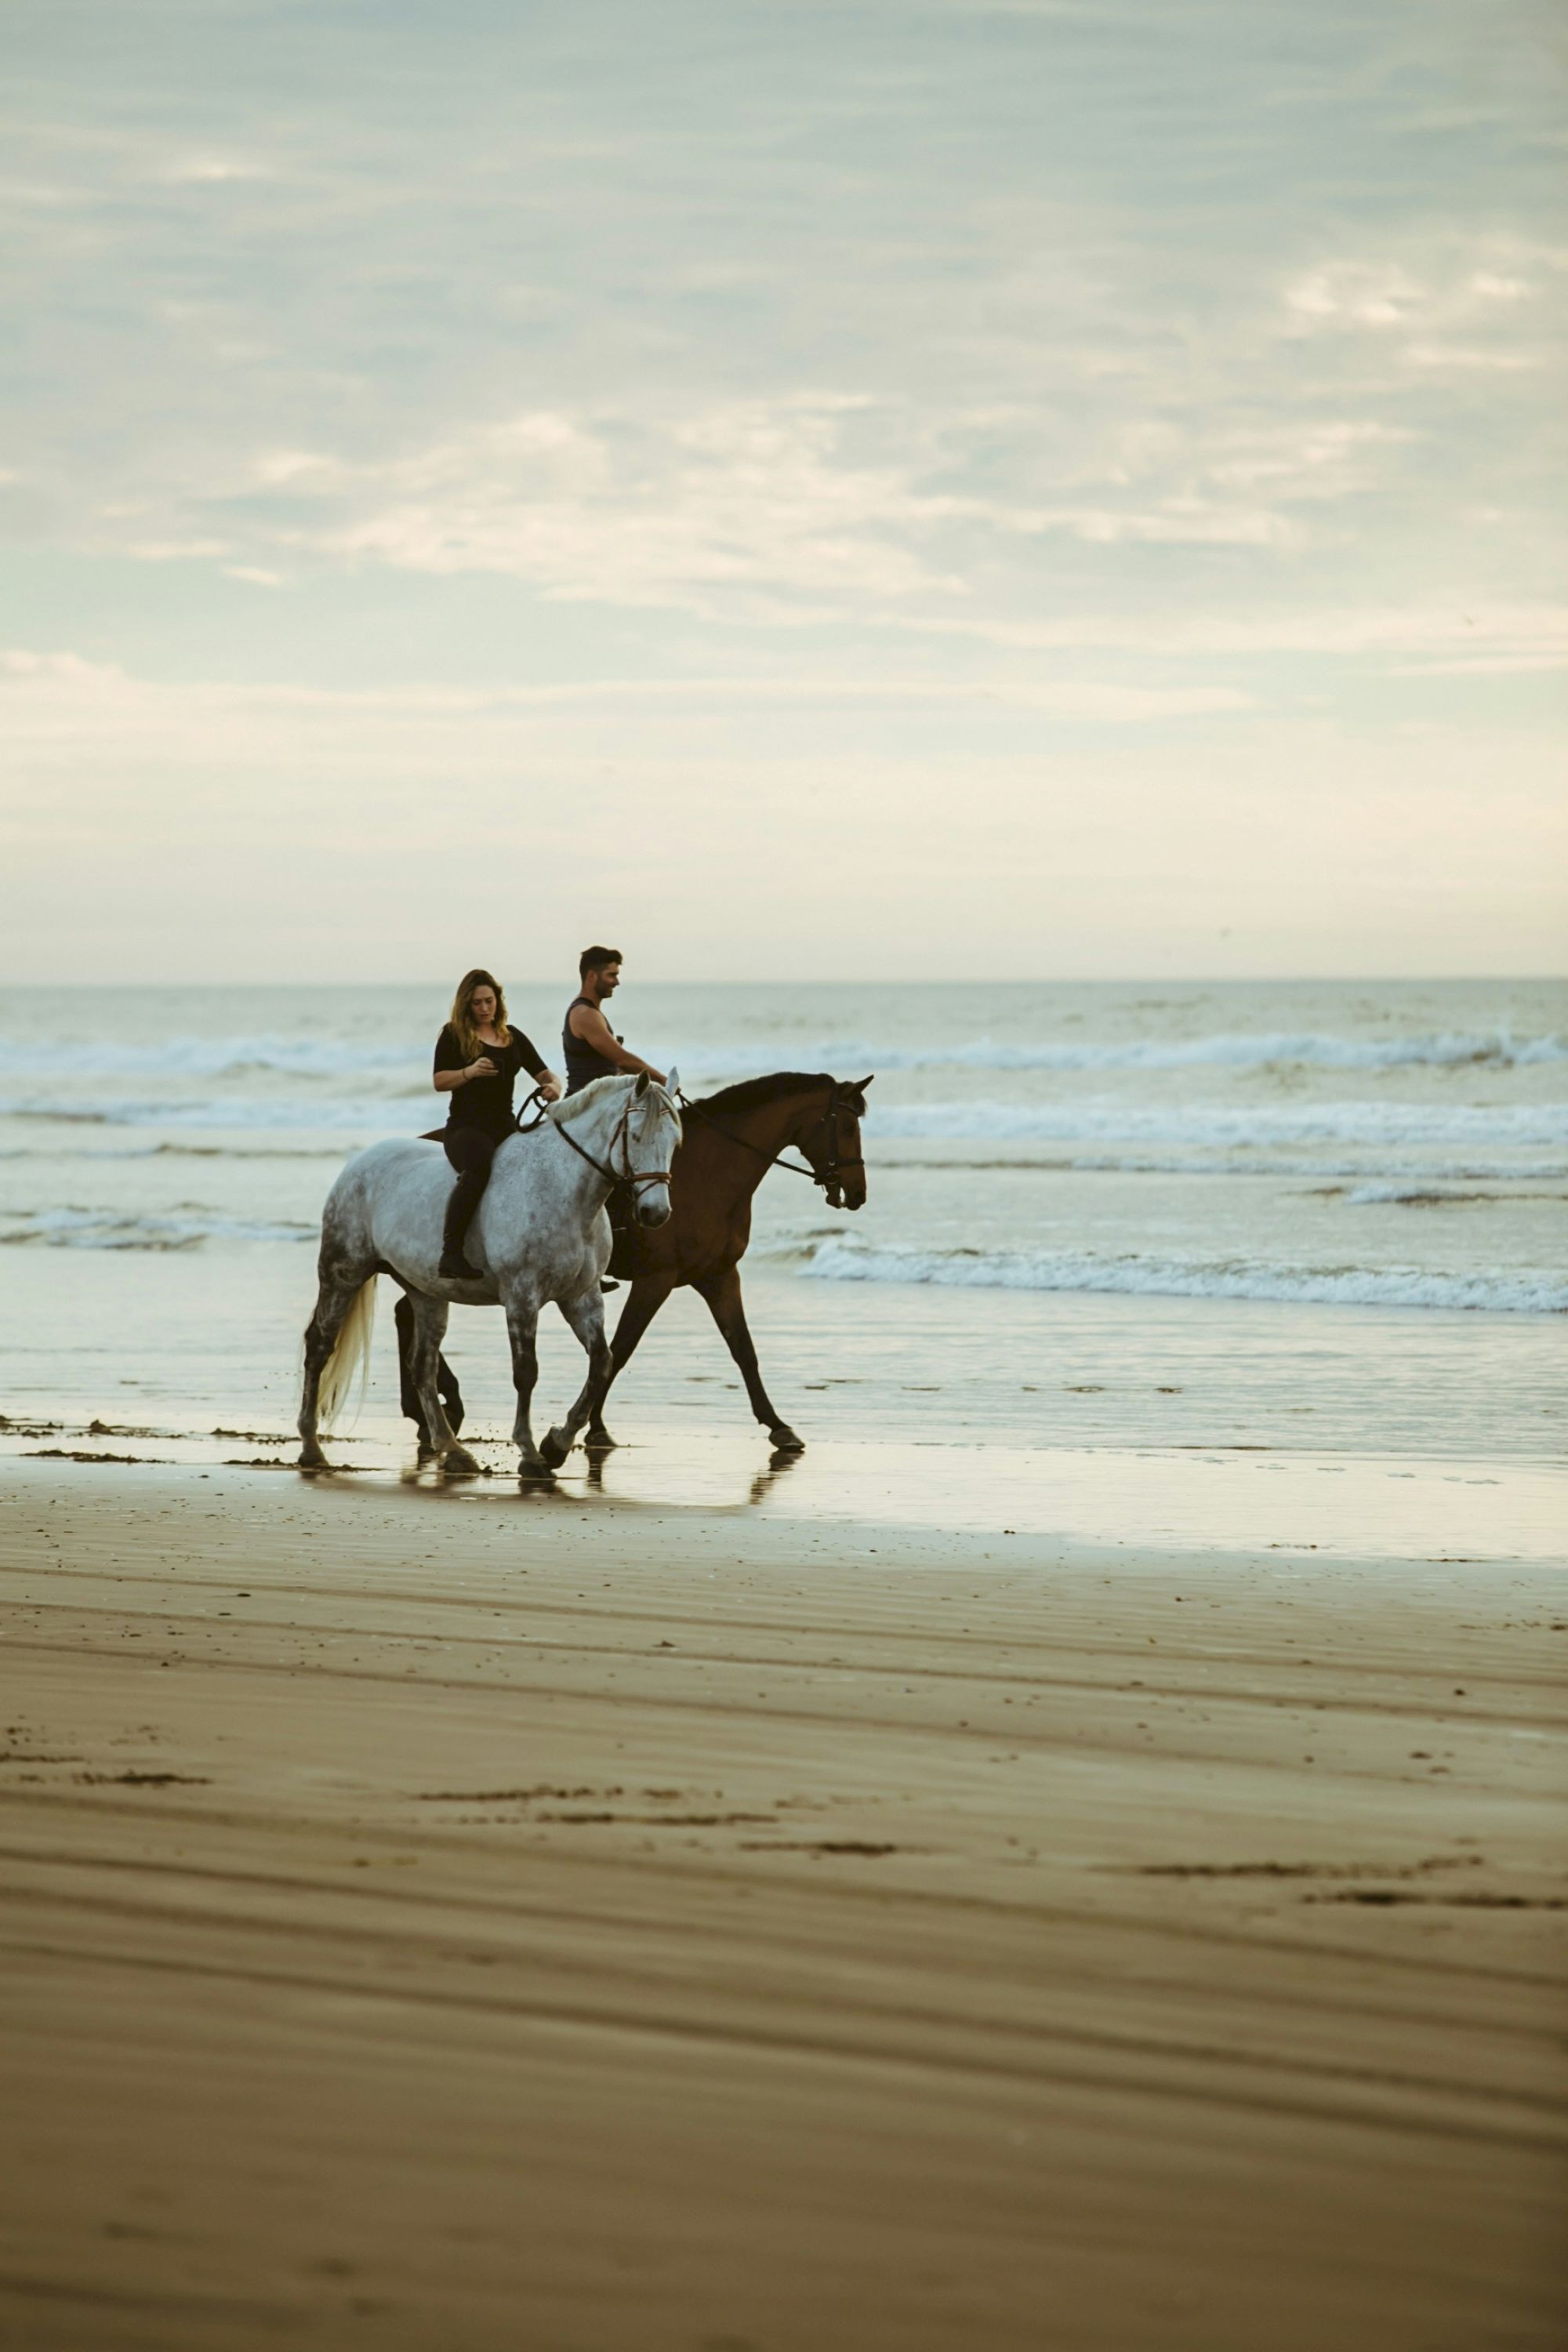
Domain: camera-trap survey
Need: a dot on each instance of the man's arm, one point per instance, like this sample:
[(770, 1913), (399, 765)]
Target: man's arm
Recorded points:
[(589, 1023)]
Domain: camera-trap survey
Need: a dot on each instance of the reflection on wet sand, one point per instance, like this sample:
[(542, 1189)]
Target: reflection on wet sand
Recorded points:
[(779, 1461), (1227, 1498), (601, 1457), (594, 1471)]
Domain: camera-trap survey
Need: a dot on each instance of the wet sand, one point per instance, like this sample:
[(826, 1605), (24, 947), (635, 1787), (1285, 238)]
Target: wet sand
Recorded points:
[(441, 1920)]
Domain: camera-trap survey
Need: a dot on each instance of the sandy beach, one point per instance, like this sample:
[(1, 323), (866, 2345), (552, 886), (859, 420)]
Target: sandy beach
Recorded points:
[(434, 1918)]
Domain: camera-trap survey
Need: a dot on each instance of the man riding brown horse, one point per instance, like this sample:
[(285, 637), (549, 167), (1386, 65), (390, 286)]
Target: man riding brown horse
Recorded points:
[(731, 1140), (591, 1047)]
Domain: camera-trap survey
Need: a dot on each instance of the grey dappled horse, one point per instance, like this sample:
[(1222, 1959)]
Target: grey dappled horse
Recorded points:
[(540, 1233)]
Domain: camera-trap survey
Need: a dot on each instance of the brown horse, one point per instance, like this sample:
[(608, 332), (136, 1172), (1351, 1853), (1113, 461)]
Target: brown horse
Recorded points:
[(731, 1141)]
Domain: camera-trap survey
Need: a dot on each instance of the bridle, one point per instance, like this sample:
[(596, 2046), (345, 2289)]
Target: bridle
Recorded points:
[(630, 1179), (829, 1175)]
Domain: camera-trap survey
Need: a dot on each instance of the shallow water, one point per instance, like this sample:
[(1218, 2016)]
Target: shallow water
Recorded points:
[(1306, 1225), (1405, 1145)]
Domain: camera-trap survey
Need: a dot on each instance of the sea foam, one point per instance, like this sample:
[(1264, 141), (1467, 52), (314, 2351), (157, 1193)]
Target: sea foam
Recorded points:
[(110, 1229), (1109, 1117), (245, 1055), (1533, 1292)]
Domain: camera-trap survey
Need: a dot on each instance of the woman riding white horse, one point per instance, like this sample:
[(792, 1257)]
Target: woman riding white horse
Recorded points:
[(540, 1233), (478, 1058)]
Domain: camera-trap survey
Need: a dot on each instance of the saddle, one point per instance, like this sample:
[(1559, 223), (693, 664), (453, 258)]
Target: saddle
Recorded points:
[(622, 1206)]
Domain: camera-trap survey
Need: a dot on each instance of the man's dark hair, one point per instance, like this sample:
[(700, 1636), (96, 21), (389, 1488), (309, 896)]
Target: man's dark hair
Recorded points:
[(596, 959)]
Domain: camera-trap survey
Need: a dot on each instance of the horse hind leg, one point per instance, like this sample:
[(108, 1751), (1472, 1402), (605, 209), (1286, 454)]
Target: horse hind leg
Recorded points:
[(723, 1294), (427, 1324), (586, 1315), (446, 1387), (334, 1301), (408, 1395)]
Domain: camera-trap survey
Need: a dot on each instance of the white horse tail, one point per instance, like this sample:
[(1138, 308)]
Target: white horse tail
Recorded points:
[(350, 1358)]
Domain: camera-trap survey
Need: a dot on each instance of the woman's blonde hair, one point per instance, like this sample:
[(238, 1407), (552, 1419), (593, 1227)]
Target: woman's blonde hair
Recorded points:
[(470, 1043)]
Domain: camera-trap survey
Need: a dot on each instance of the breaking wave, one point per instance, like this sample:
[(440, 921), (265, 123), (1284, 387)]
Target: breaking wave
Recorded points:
[(1456, 1049), (1521, 1292), (395, 1114), (214, 1057), (108, 1229), (1138, 1163), (1085, 1122), (1104, 1118), (332, 1059)]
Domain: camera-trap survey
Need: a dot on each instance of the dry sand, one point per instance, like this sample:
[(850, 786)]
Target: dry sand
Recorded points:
[(435, 1919)]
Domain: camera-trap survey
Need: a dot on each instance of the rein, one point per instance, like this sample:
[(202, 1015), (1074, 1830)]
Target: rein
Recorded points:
[(631, 1179), (826, 1176)]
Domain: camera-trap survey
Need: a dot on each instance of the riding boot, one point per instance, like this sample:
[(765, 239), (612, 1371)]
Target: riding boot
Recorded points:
[(464, 1199)]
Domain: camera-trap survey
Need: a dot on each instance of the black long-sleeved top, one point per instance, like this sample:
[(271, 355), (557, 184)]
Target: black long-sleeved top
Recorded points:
[(485, 1103)]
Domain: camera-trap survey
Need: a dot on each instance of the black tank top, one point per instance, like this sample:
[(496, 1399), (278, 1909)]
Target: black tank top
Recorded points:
[(583, 1063), (486, 1102)]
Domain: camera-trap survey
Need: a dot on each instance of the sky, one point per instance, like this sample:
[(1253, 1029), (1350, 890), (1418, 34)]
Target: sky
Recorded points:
[(942, 489)]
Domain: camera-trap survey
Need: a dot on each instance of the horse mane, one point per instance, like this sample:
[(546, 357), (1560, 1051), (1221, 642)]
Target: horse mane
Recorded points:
[(750, 1092), (569, 1105)]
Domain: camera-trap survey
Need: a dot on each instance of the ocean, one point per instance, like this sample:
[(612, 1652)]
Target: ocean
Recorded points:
[(1308, 1227)]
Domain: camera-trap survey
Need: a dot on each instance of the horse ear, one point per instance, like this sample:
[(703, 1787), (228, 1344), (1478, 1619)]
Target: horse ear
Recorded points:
[(641, 1087), (864, 1084), (672, 1084)]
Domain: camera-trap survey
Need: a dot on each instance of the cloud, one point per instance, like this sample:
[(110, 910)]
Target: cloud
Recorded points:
[(746, 508), (1468, 301), (773, 392), (624, 509), (61, 705), (209, 171)]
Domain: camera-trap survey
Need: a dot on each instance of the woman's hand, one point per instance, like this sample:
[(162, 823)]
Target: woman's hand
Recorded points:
[(550, 1086), (483, 1068)]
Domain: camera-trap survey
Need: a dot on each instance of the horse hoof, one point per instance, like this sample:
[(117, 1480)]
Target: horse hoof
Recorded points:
[(313, 1458), (534, 1470), (458, 1462), (557, 1445), (599, 1441), (783, 1440)]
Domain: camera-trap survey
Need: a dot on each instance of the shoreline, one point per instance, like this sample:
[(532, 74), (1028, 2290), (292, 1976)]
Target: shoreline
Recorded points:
[(1193, 1497), (538, 1929)]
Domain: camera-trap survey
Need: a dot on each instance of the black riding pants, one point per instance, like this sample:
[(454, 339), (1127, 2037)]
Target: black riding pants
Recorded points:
[(470, 1151)]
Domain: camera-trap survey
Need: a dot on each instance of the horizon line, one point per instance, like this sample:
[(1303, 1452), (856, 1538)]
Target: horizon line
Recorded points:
[(992, 980)]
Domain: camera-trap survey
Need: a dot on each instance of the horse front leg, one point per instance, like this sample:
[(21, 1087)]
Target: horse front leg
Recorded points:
[(723, 1292), (428, 1319), (586, 1314), (648, 1294), (522, 1330)]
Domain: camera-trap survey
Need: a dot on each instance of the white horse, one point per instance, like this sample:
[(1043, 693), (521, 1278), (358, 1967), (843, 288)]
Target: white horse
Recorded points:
[(540, 1233)]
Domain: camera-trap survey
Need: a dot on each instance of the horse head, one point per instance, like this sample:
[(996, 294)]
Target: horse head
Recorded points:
[(832, 1145), (652, 1133)]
